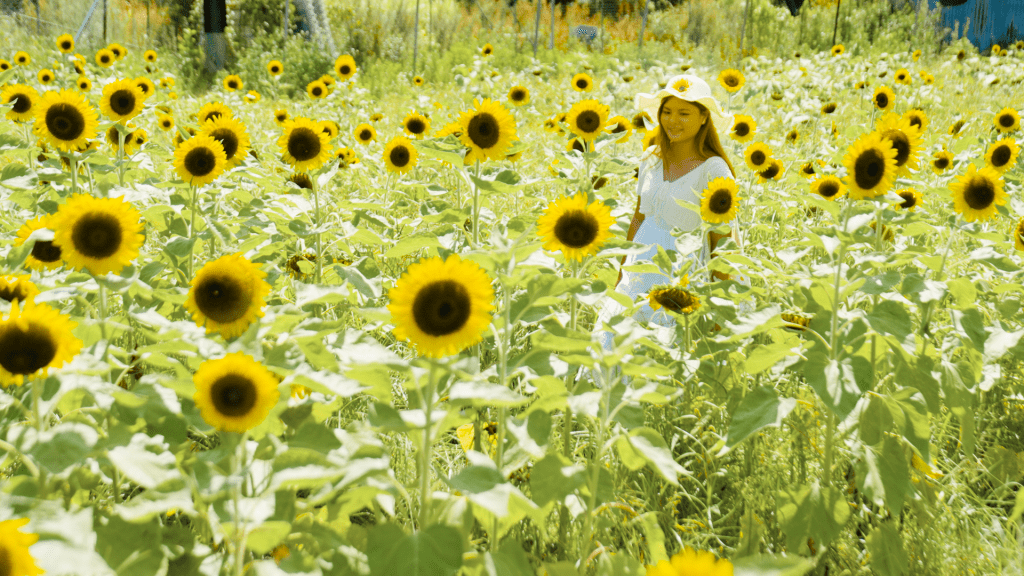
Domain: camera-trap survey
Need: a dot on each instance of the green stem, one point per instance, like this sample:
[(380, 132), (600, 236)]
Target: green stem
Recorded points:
[(595, 475), (102, 297), (74, 172), (476, 208), (930, 306), (192, 233), (316, 225), (428, 405), (29, 465), (241, 528), (830, 432), (120, 158)]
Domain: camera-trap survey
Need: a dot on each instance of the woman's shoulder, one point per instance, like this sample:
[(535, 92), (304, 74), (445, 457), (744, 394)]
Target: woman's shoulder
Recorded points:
[(718, 166), (648, 156)]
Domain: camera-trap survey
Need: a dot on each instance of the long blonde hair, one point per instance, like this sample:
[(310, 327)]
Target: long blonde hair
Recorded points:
[(708, 144)]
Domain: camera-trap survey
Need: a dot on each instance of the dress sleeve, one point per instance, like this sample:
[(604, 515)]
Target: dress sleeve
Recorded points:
[(645, 192)]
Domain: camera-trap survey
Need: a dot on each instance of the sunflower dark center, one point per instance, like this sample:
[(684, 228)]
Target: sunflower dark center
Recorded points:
[(442, 308), (901, 144), (166, 123), (483, 130), (1006, 120), (1001, 156), (45, 251), (829, 108), (9, 293), (145, 88), (720, 202), (200, 161), (222, 298), (576, 229), (303, 144), (46, 77), (104, 58), (588, 121), (582, 83), (769, 172), (577, 145), (979, 193), (232, 84), (675, 300), (808, 169), (828, 189), (302, 181), (941, 163), (619, 128), (345, 69), (742, 129), (317, 91), (399, 156), (416, 126), (365, 135), (916, 121), (228, 139), (274, 69), (757, 157), (731, 81), (65, 45), (233, 395), (869, 169), (518, 95), (65, 121), (909, 200), (882, 100), (24, 351), (122, 102), (97, 235), (22, 103)]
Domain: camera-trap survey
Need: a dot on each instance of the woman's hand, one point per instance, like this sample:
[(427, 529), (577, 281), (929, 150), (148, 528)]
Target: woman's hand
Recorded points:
[(713, 238)]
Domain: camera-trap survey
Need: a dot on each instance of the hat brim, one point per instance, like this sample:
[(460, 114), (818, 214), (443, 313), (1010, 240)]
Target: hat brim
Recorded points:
[(650, 103)]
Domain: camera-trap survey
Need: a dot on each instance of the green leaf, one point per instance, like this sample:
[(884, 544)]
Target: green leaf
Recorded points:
[(412, 244), (145, 468), (267, 536), (63, 446), (888, 317), (18, 177), (476, 393), (433, 551), (883, 473), (655, 537), (476, 479), (839, 383), (888, 557), (553, 478), (1006, 465), (761, 407), (130, 549), (764, 565), (811, 511), (762, 358)]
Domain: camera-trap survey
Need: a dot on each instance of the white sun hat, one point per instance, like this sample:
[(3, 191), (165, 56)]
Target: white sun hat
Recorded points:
[(692, 89)]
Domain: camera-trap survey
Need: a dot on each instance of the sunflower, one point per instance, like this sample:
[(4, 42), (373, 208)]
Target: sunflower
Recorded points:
[(165, 122), (233, 82), (487, 50), (828, 187), (575, 144), (376, 117), (587, 119), (648, 140), (582, 82), (275, 68), (117, 50), (345, 67), (122, 100), (280, 116), (883, 98), (977, 193), (227, 295), (796, 322), (83, 84), (575, 228), (487, 131), (731, 80), (519, 95), (4, 65), (146, 86), (45, 76), (638, 121), (442, 306), (719, 201), (149, 55), (871, 166), (416, 125), (139, 137), (167, 82), (364, 133), (902, 135), (673, 298), (316, 90), (955, 127), (620, 125), (235, 393), (758, 156), (302, 180), (329, 127), (467, 436), (105, 58), (65, 119), (743, 128), (399, 155), (1017, 231), (807, 170), (21, 58), (1007, 120), (941, 161), (328, 82), (200, 159), (213, 110), (14, 547), (18, 288), (232, 137), (691, 561), (113, 136), (24, 99), (1002, 155), (917, 118), (793, 136), (911, 198), (66, 43), (838, 49), (100, 234), (903, 77), (33, 339), (417, 80), (304, 144), (44, 255)]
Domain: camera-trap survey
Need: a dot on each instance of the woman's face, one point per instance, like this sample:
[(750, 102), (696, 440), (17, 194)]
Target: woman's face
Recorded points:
[(681, 119)]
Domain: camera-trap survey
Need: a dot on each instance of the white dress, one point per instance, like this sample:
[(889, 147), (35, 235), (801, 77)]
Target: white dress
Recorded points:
[(661, 214)]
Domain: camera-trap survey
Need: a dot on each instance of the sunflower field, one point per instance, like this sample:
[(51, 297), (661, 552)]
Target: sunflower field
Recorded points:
[(334, 334)]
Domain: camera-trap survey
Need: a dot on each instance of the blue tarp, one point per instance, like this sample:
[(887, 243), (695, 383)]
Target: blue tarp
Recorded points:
[(991, 21)]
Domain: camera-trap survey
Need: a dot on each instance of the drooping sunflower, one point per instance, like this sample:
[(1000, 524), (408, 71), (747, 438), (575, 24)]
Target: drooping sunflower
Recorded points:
[(467, 437), (233, 82), (917, 118), (280, 116), (519, 95), (113, 136), (45, 255), (328, 82), (139, 137), (487, 50), (977, 193), (796, 322), (345, 67), (304, 144), (66, 119), (758, 156), (575, 144), (955, 127), (227, 295), (252, 97), (99, 234), (165, 122), (941, 161), (828, 187), (400, 156), (232, 137), (488, 131), (732, 80), (793, 136), (212, 110), (105, 58), (582, 82), (904, 138), (84, 84), (200, 159), (638, 121), (364, 133), (146, 86), (1007, 120), (376, 117), (1017, 231), (838, 49), (14, 546), (442, 306), (620, 125), (33, 339), (743, 128), (20, 288), (720, 201), (235, 393), (316, 90), (416, 125), (575, 228), (884, 99), (691, 561), (911, 198), (870, 166), (24, 99), (21, 58), (587, 119), (1002, 155), (122, 100), (674, 298), (829, 108)]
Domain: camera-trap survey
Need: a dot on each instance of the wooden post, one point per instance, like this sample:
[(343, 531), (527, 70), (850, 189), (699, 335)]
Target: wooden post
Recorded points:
[(743, 28), (835, 27), (536, 27), (643, 23), (415, 37), (287, 19), (104, 21), (551, 45)]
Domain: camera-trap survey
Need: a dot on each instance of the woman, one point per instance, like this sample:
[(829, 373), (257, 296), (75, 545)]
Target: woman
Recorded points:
[(685, 156)]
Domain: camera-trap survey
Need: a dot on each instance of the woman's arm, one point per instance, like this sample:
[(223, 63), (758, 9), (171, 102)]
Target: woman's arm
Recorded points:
[(638, 219), (713, 238)]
